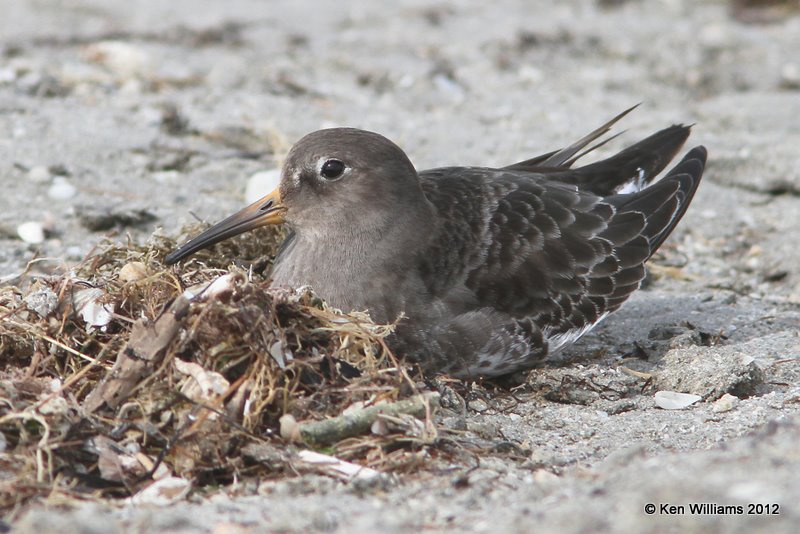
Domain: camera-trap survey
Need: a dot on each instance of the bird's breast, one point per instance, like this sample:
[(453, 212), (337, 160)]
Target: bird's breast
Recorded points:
[(348, 277)]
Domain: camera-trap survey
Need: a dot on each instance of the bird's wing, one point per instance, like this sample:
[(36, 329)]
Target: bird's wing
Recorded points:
[(546, 250)]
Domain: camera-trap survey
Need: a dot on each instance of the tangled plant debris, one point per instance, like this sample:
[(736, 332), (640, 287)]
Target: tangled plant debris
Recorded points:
[(121, 373)]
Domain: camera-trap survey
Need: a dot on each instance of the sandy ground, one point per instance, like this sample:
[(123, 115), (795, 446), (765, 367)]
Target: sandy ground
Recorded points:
[(117, 118)]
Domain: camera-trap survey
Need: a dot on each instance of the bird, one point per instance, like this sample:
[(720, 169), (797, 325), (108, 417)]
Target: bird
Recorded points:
[(485, 271)]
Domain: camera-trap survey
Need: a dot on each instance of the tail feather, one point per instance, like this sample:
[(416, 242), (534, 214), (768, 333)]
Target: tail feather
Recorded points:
[(627, 171), (664, 203), (564, 158), (633, 168)]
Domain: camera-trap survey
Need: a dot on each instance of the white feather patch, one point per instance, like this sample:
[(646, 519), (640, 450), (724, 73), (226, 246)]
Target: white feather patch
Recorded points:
[(564, 339), (633, 186)]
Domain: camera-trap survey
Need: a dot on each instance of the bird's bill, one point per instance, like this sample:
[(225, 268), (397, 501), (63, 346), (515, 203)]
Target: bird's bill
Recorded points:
[(265, 211)]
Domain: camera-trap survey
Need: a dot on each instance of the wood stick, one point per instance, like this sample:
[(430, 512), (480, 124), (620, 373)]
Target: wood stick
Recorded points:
[(319, 433), (140, 356)]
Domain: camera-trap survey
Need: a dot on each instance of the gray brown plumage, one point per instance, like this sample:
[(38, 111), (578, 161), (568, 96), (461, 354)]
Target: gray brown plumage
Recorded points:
[(492, 269)]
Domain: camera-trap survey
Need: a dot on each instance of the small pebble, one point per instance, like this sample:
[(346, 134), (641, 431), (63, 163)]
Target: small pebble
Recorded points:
[(478, 405), (672, 400), (123, 59), (39, 174), (714, 36), (290, 428), (7, 74), (133, 272), (790, 76), (31, 232), (43, 302), (74, 252), (61, 189), (164, 177), (725, 403)]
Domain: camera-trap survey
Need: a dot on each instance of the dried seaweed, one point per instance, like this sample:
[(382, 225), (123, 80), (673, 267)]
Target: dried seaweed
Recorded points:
[(102, 391)]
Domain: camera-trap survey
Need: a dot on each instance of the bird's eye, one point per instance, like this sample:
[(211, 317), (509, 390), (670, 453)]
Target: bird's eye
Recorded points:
[(332, 169)]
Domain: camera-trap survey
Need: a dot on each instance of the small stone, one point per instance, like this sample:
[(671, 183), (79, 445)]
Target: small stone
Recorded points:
[(7, 75), (74, 252), (31, 232), (790, 76), (123, 59), (725, 403), (290, 428), (484, 429), (61, 189), (165, 177), (457, 422), (478, 405), (710, 371), (39, 174), (100, 219), (672, 400), (714, 36), (621, 406), (133, 272), (43, 301)]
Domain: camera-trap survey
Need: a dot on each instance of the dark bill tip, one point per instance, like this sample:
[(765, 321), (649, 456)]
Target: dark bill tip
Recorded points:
[(265, 211)]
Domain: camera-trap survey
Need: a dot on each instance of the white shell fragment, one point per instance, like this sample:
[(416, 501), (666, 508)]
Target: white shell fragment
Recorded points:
[(61, 189), (261, 183), (672, 400), (31, 232), (205, 386), (221, 286), (163, 492), (89, 304), (336, 467)]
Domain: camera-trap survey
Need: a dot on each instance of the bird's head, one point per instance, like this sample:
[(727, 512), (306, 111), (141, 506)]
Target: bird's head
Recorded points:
[(336, 181)]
